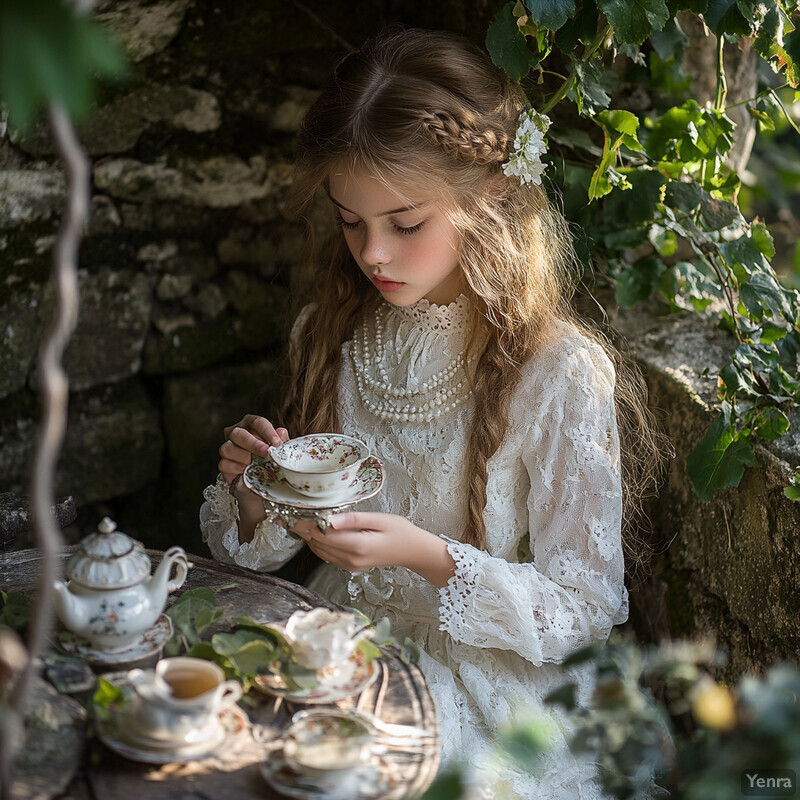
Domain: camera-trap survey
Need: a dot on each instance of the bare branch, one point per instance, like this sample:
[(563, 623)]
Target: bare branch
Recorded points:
[(54, 393)]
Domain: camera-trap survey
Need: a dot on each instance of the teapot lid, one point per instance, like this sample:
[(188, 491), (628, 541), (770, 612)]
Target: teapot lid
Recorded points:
[(108, 559)]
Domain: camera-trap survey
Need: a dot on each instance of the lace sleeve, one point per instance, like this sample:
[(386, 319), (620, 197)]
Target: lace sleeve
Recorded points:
[(572, 590), (270, 548)]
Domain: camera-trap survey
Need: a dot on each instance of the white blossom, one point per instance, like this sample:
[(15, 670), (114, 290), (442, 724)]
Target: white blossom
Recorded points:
[(525, 161)]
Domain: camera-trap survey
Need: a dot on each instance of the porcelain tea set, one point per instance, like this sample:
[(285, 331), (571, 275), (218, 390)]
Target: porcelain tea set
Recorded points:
[(112, 608), (111, 605), (313, 477)]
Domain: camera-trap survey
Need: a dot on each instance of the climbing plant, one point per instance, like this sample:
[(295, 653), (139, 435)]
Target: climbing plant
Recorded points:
[(653, 199)]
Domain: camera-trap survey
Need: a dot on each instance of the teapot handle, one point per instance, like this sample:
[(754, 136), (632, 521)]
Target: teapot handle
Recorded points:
[(181, 564)]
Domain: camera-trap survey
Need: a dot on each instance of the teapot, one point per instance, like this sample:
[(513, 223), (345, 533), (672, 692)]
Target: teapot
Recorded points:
[(111, 598)]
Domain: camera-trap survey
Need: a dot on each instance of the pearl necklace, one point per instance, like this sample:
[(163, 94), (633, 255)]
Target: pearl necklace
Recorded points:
[(435, 397)]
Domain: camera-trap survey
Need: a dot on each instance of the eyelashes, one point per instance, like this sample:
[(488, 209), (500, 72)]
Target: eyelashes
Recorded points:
[(351, 226)]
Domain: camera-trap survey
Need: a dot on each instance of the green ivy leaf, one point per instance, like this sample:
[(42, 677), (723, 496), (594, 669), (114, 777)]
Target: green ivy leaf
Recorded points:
[(790, 56), (724, 16), (762, 239), (670, 42), (565, 696), (771, 423), (16, 610), (675, 124), (593, 86), (369, 650), (635, 20), (698, 6), (50, 54), (718, 460), (448, 785), (762, 296), (635, 284), (106, 695), (684, 196), (580, 28), (744, 257), (551, 13), (191, 613), (526, 743), (792, 492), (618, 122), (641, 202), (717, 214), (507, 45)]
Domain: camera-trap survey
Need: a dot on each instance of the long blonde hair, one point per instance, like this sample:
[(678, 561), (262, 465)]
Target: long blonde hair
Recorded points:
[(425, 108)]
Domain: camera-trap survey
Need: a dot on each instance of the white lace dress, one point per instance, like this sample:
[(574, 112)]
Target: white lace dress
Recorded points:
[(551, 579)]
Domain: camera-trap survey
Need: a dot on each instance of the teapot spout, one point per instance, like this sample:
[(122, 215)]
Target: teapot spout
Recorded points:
[(72, 609)]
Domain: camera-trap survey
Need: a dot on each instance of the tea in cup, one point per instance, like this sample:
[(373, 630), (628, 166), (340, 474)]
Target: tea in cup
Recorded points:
[(327, 745), (181, 699), (321, 464)]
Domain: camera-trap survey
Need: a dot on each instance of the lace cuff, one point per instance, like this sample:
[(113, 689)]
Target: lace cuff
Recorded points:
[(490, 602), (270, 548)]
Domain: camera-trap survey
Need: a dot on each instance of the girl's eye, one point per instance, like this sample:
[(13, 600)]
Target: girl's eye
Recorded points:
[(409, 231), (348, 226)]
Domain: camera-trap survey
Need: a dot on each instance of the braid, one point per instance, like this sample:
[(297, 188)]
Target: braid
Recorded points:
[(462, 142)]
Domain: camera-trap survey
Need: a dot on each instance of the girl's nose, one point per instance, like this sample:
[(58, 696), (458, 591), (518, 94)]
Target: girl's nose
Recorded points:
[(374, 251)]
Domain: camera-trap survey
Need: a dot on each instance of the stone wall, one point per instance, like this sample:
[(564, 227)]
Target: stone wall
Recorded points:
[(727, 569), (189, 271)]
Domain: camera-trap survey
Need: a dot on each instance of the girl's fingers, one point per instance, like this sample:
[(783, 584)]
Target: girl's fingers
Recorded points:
[(229, 469), (231, 452), (358, 521), (246, 441), (260, 428)]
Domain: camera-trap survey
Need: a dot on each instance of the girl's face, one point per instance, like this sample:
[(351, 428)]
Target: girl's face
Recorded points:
[(402, 242)]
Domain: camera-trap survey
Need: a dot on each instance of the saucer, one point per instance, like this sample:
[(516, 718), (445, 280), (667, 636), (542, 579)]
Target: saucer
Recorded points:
[(118, 734), (232, 721), (149, 643), (263, 476), (328, 692), (362, 783)]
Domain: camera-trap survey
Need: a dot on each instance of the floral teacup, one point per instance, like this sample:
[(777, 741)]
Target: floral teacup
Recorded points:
[(320, 464), (324, 641), (327, 745), (179, 701)]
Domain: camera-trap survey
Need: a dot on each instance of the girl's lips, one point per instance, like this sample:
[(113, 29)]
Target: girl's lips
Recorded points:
[(386, 286)]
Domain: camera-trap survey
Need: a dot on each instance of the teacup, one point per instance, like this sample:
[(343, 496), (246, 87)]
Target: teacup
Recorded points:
[(320, 464), (324, 641), (326, 745), (181, 699)]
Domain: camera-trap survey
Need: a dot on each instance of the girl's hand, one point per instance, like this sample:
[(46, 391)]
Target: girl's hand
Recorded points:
[(357, 541), (251, 436)]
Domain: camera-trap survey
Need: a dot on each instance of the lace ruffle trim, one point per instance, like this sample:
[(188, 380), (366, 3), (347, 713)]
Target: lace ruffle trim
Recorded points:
[(451, 317), (458, 595)]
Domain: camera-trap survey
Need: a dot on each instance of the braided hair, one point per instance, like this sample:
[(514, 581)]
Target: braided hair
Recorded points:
[(427, 110)]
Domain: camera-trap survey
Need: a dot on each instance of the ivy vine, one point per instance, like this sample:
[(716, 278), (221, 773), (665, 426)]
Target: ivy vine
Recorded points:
[(661, 178)]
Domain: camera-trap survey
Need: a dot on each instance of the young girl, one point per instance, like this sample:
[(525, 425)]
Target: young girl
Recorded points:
[(442, 336)]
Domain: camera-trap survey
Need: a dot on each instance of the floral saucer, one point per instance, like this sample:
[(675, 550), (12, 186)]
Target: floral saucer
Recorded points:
[(363, 783), (263, 476), (149, 643), (112, 733), (328, 691), (116, 732)]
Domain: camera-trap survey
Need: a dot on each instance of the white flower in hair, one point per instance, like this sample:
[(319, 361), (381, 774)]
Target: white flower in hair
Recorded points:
[(525, 161)]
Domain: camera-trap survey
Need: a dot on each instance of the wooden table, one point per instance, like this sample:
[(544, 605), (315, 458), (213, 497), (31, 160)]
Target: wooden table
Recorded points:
[(399, 695)]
